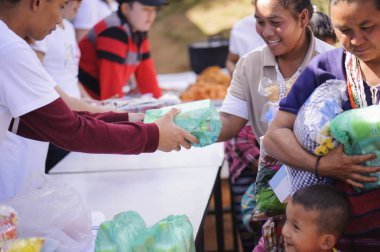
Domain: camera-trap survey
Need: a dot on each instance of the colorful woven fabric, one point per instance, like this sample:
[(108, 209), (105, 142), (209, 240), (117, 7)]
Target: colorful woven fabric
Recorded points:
[(241, 152)]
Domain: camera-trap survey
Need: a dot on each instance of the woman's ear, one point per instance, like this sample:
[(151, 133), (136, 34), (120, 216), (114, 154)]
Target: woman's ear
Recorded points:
[(124, 8), (327, 242), (36, 4), (304, 18)]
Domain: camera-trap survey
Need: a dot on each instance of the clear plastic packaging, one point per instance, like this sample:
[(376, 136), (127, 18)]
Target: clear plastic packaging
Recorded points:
[(199, 118)]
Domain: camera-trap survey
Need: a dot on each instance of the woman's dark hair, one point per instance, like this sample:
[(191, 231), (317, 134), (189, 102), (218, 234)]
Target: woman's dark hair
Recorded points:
[(295, 6), (10, 1), (320, 25), (376, 2)]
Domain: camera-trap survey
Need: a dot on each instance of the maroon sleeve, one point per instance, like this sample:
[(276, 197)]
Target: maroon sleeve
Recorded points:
[(85, 132), (110, 117)]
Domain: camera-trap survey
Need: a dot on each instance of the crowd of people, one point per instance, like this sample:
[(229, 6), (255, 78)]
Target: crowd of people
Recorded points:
[(58, 54)]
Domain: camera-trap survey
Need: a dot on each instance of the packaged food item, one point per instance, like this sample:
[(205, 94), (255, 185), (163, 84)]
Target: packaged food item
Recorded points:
[(212, 84), (311, 129), (199, 118), (25, 245), (359, 131), (139, 104), (127, 232), (8, 223)]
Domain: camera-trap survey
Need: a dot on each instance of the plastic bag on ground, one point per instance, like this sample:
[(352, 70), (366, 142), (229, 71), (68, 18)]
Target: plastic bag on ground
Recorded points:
[(199, 118)]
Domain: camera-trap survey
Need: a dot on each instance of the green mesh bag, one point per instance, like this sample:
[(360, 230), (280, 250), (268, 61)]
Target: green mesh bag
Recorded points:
[(126, 232), (359, 131), (199, 118)]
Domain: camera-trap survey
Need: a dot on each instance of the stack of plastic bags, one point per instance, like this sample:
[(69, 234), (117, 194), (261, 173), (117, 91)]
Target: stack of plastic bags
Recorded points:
[(127, 232)]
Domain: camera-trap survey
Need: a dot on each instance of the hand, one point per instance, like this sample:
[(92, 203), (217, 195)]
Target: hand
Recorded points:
[(173, 137), (338, 165), (136, 117)]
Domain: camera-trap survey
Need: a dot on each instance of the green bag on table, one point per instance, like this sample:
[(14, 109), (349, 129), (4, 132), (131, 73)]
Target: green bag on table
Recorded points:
[(359, 131), (199, 118), (126, 232)]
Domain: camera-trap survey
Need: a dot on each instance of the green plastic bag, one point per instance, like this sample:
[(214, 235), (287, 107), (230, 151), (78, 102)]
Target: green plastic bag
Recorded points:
[(173, 234), (126, 232), (117, 234), (199, 118), (359, 131)]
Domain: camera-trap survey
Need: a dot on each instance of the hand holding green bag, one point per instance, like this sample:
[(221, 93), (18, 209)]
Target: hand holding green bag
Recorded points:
[(199, 118), (359, 131)]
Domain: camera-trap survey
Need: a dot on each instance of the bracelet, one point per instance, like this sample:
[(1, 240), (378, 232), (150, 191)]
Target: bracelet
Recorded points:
[(316, 169)]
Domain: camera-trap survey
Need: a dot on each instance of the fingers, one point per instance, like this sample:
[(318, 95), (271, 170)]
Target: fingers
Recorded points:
[(359, 159), (185, 144), (363, 178), (365, 169), (190, 138), (356, 179), (354, 183), (172, 113)]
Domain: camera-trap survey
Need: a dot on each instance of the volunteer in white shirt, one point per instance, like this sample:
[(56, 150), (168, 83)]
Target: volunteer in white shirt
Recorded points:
[(27, 93), (90, 13), (243, 39)]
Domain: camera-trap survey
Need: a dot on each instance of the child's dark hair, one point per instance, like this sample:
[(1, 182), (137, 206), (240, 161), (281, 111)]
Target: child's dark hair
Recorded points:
[(376, 2), (331, 204), (321, 26), (295, 6)]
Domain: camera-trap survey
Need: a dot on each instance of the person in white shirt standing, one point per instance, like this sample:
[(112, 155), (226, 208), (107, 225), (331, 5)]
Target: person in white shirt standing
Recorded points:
[(242, 152), (27, 94), (22, 159), (243, 39), (90, 13)]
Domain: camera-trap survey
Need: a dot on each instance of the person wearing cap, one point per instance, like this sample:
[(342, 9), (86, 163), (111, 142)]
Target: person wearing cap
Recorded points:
[(117, 48)]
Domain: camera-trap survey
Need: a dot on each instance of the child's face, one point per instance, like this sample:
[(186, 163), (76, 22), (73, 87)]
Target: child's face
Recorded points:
[(301, 233), (141, 17)]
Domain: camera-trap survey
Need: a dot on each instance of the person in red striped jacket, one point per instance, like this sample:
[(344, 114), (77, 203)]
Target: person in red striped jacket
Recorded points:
[(117, 48)]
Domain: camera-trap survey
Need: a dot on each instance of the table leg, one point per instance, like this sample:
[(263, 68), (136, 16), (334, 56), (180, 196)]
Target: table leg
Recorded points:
[(219, 212), (200, 240)]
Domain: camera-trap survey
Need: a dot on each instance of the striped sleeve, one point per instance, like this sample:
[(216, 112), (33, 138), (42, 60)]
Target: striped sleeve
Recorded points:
[(146, 75)]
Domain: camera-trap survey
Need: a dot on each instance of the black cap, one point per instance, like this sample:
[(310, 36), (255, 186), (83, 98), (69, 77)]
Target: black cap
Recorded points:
[(146, 2)]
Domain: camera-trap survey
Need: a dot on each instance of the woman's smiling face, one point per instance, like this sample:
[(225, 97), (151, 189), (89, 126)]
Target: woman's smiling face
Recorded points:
[(279, 28)]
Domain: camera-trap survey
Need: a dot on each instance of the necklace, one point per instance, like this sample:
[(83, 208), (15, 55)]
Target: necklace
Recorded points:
[(355, 84)]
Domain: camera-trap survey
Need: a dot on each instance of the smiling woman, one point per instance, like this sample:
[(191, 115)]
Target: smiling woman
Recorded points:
[(357, 26), (283, 25)]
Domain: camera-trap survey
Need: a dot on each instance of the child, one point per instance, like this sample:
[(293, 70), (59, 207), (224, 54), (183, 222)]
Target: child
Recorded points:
[(316, 218), (117, 48)]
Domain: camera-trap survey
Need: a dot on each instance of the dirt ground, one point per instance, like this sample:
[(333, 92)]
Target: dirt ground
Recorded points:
[(169, 39)]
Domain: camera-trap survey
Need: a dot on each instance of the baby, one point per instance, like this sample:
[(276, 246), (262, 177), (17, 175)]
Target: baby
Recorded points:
[(316, 218)]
